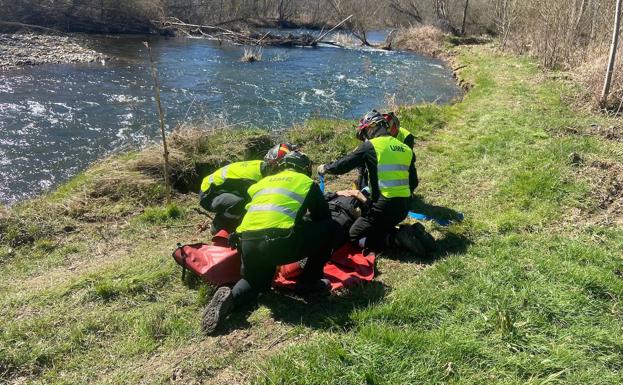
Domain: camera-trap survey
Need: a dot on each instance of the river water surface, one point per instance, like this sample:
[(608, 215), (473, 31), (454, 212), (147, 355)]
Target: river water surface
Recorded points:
[(55, 120)]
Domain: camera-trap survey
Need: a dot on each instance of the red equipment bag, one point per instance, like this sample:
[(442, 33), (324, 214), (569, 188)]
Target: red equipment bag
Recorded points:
[(348, 266), (219, 265)]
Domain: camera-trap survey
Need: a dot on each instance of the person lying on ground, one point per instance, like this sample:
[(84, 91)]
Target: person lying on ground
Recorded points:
[(345, 207), (224, 192), (276, 231), (390, 167)]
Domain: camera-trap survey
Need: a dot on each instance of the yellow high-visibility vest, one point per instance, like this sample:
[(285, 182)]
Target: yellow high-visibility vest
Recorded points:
[(275, 201), (393, 162), (402, 134), (250, 170)]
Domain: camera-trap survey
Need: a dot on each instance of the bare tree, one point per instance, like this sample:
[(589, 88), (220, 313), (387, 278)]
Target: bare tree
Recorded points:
[(464, 17), (613, 52), (285, 10), (441, 13), (365, 13), (505, 16), (410, 8)]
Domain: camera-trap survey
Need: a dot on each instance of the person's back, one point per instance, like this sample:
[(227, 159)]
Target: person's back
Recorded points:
[(276, 202), (274, 231), (224, 192), (235, 177), (394, 160)]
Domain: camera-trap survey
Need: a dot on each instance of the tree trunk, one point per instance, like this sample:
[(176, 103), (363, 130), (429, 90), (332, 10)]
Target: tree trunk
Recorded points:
[(441, 12), (464, 17), (165, 153), (613, 52)]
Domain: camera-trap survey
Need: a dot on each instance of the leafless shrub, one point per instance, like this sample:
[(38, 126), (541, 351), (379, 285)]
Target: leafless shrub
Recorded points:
[(590, 75), (251, 55)]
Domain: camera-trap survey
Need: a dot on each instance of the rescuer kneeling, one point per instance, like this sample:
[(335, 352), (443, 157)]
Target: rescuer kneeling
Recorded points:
[(392, 178), (224, 192), (276, 230)]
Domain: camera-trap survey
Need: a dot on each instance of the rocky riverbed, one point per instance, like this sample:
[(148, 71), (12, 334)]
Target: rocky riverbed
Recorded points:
[(32, 49)]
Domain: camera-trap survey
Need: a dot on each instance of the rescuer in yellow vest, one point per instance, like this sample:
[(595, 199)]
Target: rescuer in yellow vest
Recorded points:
[(287, 220), (224, 192), (390, 168), (402, 134)]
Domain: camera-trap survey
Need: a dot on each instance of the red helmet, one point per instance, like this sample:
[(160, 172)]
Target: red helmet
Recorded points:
[(371, 125), (277, 152), (394, 123)]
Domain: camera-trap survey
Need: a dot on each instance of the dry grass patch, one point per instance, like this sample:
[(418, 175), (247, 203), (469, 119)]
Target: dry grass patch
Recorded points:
[(251, 55), (606, 181), (427, 40), (590, 74)]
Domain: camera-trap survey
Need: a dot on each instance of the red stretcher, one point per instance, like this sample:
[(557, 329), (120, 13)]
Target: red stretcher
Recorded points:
[(219, 265)]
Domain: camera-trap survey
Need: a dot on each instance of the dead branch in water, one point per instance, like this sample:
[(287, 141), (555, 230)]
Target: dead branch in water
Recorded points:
[(217, 32)]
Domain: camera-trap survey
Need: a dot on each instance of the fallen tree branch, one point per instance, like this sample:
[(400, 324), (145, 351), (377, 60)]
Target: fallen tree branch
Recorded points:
[(322, 36)]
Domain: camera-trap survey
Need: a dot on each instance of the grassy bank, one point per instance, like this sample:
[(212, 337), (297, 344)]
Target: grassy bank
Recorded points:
[(526, 290)]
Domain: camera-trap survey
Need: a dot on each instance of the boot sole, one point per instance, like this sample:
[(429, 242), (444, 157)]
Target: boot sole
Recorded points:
[(217, 310)]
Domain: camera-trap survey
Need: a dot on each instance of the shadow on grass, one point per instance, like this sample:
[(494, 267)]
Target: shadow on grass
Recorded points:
[(321, 312), (335, 312), (450, 244), (418, 205)]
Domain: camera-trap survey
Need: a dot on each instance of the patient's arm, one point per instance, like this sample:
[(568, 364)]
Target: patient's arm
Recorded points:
[(353, 193)]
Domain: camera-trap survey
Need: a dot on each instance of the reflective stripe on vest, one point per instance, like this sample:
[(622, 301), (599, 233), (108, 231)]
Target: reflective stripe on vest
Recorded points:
[(281, 191), (393, 163), (250, 170), (276, 208), (275, 201)]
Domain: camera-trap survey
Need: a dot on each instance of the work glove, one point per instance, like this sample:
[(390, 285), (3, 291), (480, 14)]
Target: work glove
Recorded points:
[(321, 169)]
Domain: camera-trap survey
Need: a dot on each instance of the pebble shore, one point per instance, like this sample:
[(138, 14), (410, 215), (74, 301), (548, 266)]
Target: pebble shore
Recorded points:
[(33, 49)]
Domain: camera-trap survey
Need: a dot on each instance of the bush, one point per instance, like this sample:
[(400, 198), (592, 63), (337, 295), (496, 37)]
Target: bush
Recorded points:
[(424, 39)]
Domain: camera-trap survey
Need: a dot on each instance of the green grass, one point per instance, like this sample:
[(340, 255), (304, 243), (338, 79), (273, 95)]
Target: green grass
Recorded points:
[(534, 298), (525, 291)]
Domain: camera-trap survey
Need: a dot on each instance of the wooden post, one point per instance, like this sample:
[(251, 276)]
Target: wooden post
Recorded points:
[(165, 154), (464, 17), (613, 52)]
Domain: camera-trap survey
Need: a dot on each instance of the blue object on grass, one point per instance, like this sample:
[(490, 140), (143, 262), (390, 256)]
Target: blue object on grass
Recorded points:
[(439, 221), (321, 180)]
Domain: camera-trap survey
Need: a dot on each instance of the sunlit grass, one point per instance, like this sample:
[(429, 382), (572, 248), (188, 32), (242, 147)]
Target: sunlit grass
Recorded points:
[(526, 290)]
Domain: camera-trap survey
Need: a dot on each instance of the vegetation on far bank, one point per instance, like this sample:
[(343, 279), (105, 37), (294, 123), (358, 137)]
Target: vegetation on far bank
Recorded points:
[(526, 290)]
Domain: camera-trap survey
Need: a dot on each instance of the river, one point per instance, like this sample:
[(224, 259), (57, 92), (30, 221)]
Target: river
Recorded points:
[(55, 120)]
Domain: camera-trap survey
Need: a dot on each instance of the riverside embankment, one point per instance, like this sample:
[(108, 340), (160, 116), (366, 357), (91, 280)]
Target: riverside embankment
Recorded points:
[(527, 288)]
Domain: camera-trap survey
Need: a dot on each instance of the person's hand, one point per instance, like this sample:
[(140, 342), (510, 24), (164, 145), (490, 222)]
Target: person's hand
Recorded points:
[(353, 193), (321, 169)]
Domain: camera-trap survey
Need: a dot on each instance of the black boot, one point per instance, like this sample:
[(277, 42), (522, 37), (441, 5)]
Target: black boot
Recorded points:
[(405, 239), (320, 286), (424, 237), (217, 310)]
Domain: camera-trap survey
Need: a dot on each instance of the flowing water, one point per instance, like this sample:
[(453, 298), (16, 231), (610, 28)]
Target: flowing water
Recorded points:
[(55, 120)]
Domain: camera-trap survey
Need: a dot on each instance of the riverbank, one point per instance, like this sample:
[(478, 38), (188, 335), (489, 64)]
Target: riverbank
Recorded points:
[(20, 49), (527, 288)]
